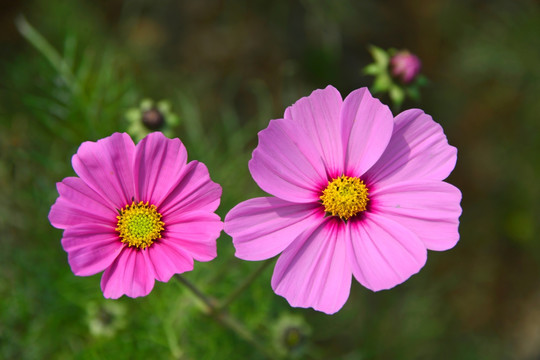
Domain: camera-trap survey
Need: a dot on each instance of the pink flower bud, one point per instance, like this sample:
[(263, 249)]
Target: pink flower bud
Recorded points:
[(405, 66)]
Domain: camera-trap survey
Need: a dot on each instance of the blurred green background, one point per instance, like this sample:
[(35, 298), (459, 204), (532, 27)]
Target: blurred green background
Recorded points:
[(227, 68)]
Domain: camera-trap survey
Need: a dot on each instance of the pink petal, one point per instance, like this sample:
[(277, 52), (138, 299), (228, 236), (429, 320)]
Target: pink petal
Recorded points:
[(130, 274), (367, 128), (318, 117), (167, 260), (285, 163), (194, 191), (79, 204), (314, 270), (261, 228), (418, 150), (382, 252), (91, 248), (159, 163), (429, 208), (194, 232), (106, 166)]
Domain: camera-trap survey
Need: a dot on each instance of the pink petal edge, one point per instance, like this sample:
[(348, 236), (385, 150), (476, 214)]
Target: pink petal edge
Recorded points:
[(383, 253), (263, 227), (91, 248), (130, 274), (285, 165), (418, 150), (317, 117), (367, 129), (159, 163), (194, 191), (106, 166), (166, 260), (430, 209), (194, 233), (79, 204)]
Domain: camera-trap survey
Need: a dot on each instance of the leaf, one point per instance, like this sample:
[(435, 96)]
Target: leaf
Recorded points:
[(381, 83), (380, 56), (397, 95), (372, 69), (413, 92)]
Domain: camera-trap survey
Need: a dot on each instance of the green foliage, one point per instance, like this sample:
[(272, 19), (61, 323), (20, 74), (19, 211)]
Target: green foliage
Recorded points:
[(84, 97)]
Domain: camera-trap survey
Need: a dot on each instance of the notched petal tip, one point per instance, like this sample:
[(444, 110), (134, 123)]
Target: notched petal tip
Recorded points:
[(285, 164), (78, 204), (195, 190), (430, 209), (195, 233), (107, 167), (129, 274), (383, 253), (366, 131), (314, 271), (158, 166), (418, 150)]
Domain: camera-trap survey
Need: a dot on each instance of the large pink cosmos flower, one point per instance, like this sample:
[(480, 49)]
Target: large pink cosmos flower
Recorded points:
[(355, 192), (138, 212)]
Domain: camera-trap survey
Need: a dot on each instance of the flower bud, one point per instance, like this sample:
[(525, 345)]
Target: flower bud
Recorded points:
[(405, 66), (153, 119), (151, 116), (105, 319), (291, 336)]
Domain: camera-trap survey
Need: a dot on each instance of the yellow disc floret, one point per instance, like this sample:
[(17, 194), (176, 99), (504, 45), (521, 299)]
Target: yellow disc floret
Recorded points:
[(139, 224), (345, 197)]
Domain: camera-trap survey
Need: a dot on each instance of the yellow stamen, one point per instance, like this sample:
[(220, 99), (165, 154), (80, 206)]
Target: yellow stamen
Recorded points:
[(345, 197), (139, 224)]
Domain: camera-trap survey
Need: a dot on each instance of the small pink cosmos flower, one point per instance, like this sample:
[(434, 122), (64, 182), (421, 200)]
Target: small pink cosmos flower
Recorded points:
[(405, 66), (355, 192), (138, 213)]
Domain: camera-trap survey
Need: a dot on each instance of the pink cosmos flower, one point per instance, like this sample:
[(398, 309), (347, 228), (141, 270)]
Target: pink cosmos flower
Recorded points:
[(405, 66), (138, 213), (355, 192)]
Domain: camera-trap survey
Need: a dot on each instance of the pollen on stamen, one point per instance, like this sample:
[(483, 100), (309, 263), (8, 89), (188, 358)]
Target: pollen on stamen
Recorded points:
[(139, 225), (345, 197)]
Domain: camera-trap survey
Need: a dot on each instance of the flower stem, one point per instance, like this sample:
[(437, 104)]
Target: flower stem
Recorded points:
[(224, 318), (209, 303), (50, 53), (242, 331), (244, 285)]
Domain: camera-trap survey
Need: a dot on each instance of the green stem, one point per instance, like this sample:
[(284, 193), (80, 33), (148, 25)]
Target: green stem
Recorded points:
[(244, 285), (242, 331), (43, 46), (210, 304), (224, 318)]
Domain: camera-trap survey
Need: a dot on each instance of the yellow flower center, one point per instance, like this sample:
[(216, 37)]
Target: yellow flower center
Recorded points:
[(345, 197), (139, 224)]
